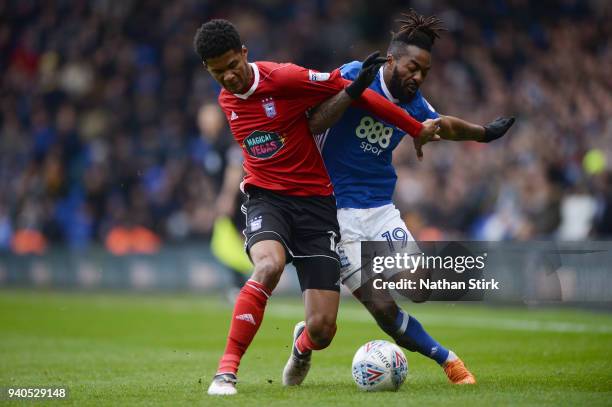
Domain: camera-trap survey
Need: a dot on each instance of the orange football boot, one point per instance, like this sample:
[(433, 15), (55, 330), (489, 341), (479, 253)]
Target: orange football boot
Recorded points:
[(457, 373)]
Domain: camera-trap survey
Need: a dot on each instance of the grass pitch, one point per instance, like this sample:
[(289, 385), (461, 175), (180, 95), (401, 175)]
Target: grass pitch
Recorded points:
[(122, 349)]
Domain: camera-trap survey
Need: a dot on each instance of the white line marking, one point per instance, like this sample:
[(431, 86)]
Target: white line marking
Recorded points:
[(449, 320)]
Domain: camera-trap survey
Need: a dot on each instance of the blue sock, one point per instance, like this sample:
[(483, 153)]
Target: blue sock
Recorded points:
[(411, 335)]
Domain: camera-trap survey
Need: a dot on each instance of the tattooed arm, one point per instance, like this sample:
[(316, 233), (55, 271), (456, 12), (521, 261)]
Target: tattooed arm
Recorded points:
[(328, 113)]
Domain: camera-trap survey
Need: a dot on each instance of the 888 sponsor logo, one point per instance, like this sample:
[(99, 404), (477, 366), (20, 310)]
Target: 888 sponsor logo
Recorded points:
[(376, 135)]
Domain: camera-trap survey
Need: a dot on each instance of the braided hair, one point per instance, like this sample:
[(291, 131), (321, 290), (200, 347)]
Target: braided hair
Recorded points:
[(416, 30)]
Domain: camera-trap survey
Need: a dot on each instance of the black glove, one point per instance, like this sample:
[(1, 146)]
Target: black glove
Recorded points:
[(369, 68), (497, 128)]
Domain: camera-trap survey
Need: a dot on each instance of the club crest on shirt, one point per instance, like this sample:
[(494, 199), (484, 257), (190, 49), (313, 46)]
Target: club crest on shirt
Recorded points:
[(269, 107), (263, 144)]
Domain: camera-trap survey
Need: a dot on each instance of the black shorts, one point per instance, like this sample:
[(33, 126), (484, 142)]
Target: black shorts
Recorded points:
[(306, 226)]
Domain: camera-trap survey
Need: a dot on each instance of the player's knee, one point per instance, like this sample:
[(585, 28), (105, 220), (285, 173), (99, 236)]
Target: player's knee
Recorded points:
[(268, 270), (321, 329)]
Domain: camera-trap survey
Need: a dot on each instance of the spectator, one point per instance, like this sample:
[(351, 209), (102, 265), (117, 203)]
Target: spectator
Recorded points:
[(98, 115)]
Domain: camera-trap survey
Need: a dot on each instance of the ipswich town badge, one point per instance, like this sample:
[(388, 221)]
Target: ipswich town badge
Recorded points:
[(269, 107)]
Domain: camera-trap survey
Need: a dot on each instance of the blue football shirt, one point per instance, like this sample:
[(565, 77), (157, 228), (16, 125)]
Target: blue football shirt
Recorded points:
[(357, 150)]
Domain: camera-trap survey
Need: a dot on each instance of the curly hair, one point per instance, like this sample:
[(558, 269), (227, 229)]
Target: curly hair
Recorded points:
[(215, 38), (417, 30)]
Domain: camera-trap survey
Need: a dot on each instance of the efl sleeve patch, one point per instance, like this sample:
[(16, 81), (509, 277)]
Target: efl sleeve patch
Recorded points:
[(318, 76)]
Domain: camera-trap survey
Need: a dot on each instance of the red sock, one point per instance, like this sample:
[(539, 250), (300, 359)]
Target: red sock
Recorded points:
[(247, 317), (305, 344)]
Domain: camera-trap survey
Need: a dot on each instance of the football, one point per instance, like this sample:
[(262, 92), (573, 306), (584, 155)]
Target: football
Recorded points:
[(379, 365)]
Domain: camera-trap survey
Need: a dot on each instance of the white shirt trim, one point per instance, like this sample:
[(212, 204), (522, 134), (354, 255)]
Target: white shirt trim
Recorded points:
[(383, 85), (429, 105), (253, 86)]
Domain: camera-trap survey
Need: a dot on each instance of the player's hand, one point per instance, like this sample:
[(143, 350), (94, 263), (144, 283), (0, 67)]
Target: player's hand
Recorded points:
[(497, 128), (368, 71), (429, 133)]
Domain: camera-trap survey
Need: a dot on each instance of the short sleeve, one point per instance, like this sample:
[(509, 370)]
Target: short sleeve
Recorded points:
[(423, 109), (310, 86), (351, 70)]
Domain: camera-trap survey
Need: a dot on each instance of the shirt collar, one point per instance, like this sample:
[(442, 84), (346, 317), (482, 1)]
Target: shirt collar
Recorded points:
[(253, 86), (383, 85)]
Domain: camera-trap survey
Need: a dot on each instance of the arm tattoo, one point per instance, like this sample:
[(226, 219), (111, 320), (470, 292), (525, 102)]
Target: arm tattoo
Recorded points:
[(329, 112)]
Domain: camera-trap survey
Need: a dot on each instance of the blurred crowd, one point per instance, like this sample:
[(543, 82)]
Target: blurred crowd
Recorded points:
[(109, 129)]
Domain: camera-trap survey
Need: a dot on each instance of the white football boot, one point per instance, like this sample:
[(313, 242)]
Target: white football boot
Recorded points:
[(223, 384), (297, 366)]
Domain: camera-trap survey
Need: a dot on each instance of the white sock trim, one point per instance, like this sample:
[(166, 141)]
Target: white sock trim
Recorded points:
[(452, 356), (253, 286), (405, 317)]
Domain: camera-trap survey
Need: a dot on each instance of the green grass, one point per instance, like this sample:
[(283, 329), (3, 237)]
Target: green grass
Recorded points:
[(121, 349)]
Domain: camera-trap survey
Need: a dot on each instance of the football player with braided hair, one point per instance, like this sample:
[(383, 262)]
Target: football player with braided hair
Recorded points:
[(357, 151)]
